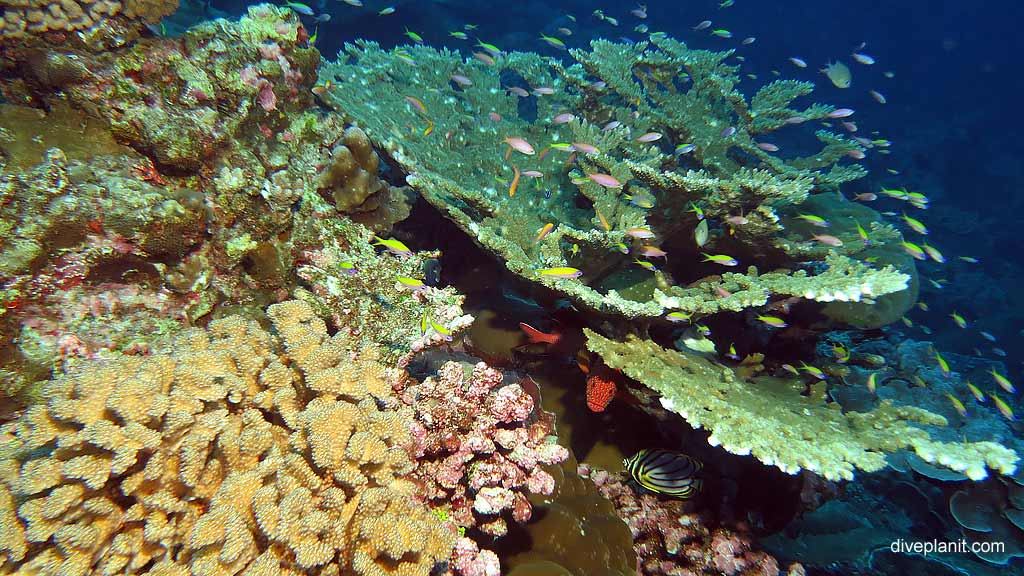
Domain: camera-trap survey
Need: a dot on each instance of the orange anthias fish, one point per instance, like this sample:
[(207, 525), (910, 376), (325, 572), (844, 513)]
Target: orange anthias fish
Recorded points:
[(537, 337), (515, 183)]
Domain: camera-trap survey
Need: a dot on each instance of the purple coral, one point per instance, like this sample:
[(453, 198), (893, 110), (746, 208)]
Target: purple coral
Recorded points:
[(481, 445)]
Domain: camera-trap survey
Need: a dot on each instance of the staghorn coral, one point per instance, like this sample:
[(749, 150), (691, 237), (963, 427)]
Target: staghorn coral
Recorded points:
[(226, 455), (773, 421)]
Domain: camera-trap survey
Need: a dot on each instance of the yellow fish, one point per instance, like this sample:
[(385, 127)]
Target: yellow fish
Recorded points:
[(957, 405), (943, 365), (838, 73)]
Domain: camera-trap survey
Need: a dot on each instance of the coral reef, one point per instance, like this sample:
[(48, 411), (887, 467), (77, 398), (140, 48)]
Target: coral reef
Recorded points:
[(772, 420), (992, 512), (356, 287), (636, 90), (482, 442), (229, 454), (90, 24), (81, 249), (207, 223), (180, 101), (226, 176), (671, 539)]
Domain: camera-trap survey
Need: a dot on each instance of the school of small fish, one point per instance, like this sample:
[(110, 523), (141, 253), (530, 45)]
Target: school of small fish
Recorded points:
[(658, 470)]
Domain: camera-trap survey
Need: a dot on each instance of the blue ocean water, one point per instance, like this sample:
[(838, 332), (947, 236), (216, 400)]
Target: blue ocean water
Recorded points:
[(937, 86)]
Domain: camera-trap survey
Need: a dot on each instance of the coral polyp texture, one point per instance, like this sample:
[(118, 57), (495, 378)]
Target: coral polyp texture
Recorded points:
[(772, 420), (91, 23), (228, 455), (483, 442), (504, 178)]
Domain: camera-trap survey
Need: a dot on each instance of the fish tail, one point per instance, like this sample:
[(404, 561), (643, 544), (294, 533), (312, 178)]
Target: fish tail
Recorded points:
[(536, 336)]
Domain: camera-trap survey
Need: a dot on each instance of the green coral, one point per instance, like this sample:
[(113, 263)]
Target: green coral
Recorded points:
[(368, 301), (179, 102), (454, 157), (772, 420)]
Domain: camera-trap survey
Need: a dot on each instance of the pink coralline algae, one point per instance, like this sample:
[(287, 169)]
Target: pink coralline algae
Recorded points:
[(266, 96), (671, 539), (469, 560), (481, 443)]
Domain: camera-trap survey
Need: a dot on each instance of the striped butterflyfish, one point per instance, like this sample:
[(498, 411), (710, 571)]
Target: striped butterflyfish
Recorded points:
[(665, 472)]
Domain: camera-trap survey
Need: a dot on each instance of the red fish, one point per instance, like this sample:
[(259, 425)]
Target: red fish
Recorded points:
[(537, 337)]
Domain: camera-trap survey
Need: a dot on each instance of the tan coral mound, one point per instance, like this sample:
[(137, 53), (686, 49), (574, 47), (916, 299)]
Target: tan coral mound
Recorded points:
[(37, 17), (228, 456)]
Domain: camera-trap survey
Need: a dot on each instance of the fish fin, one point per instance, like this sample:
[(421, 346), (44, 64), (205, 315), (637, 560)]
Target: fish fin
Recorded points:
[(536, 336)]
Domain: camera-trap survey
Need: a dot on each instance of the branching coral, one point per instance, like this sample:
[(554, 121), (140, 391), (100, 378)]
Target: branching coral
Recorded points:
[(773, 421), (225, 456), (356, 286), (485, 442)]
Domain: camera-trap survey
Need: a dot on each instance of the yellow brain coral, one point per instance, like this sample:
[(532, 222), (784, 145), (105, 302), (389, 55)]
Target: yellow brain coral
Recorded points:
[(227, 456)]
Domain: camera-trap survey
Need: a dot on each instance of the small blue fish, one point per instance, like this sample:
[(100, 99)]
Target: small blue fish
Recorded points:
[(300, 8)]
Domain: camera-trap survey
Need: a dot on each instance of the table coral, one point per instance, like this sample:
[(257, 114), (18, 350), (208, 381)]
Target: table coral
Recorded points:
[(482, 444), (684, 95), (228, 454), (773, 421)]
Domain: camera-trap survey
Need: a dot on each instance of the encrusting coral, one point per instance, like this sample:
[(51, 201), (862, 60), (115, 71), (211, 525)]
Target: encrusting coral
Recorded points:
[(223, 206), (772, 420), (228, 455)]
